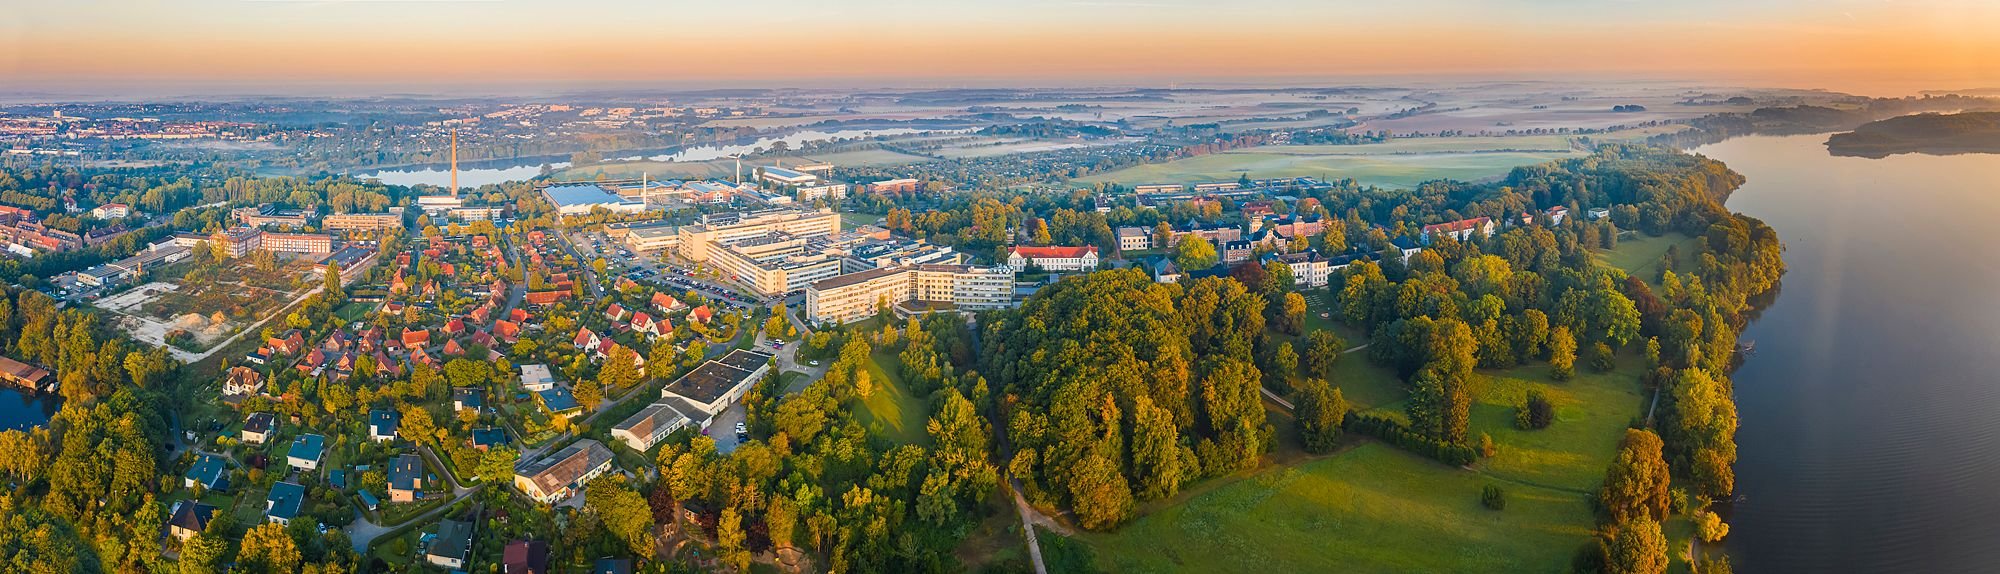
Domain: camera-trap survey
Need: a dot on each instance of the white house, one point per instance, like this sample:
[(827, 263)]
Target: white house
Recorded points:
[(1054, 258)]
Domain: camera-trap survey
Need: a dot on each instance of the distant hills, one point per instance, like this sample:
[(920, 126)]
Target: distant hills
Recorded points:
[(1932, 133)]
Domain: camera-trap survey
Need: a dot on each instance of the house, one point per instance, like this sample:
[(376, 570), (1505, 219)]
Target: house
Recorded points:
[(190, 518), (544, 298), (382, 424), (416, 338), (257, 427), (210, 472), (1461, 229), (701, 314), (488, 437), (284, 502), (453, 349), (454, 328), (507, 331), (518, 315), (306, 451), (525, 557), (1164, 270), (468, 399), (452, 546), (291, 343), (560, 475), (616, 312), (242, 381), (1055, 258), (585, 339), (644, 323), (537, 378), (559, 401), (667, 303), (1597, 213), (611, 566), (406, 478), (1134, 238)]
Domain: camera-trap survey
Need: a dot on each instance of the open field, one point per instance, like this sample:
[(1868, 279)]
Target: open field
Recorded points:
[(1369, 509), (1403, 163), (892, 411), (1640, 254), (210, 306), (1592, 411), (865, 157), (851, 220)]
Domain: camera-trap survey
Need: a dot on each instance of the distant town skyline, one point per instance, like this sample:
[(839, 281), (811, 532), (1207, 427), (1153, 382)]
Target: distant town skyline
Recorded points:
[(1875, 47)]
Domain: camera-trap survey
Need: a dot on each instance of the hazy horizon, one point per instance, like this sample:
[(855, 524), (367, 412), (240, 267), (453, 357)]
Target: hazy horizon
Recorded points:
[(370, 47)]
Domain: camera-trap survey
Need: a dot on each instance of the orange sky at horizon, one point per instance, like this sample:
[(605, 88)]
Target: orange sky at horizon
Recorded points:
[(1896, 56)]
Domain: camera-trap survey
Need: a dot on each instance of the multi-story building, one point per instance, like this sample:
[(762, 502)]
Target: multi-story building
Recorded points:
[(828, 191), (775, 263), (782, 176), (1054, 258), (268, 214), (238, 241), (697, 239), (856, 296), (361, 221), (652, 238), (297, 243), (904, 185), (1461, 229), (897, 253), (1134, 238)]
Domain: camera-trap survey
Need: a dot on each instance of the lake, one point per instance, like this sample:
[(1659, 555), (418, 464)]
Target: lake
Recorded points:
[(21, 409), (475, 174), (1870, 412)]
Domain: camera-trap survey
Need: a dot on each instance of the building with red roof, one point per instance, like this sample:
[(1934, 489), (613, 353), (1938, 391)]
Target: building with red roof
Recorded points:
[(1053, 258)]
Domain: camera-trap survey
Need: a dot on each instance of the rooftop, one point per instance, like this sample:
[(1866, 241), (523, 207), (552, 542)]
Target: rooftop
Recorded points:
[(559, 470), (285, 500), (580, 194), (307, 446)]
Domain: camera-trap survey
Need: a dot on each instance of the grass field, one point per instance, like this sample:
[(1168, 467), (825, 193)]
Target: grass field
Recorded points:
[(1370, 509), (1592, 411), (852, 220), (1401, 163), (892, 411), (1640, 254)]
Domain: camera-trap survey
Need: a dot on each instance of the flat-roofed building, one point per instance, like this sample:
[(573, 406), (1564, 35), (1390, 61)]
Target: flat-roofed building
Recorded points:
[(582, 198), (361, 221), (903, 185), (268, 214), (782, 176), (775, 263), (696, 239), (238, 241), (653, 238), (1134, 238), (297, 243), (856, 296), (897, 253), (715, 384), (827, 191), (560, 475)]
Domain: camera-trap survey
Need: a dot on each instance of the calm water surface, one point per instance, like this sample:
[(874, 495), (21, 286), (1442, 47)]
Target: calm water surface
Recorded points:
[(502, 171), (24, 410), (1870, 438)]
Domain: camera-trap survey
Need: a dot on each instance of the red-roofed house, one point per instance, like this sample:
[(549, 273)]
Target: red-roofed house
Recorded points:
[(507, 331), (616, 312), (290, 343), (454, 327), (545, 297), (452, 348), (667, 303), (518, 315), (1461, 229), (701, 314), (585, 339), (643, 323), (416, 338), (1054, 258)]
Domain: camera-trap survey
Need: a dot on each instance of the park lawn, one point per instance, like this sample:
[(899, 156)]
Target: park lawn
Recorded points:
[(1367, 386), (1371, 508), (892, 411), (1640, 254), (851, 220), (1592, 411)]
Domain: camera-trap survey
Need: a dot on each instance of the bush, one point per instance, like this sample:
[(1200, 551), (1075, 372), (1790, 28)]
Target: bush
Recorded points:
[(1493, 498), (1536, 412), (1601, 358), (1486, 447), (1393, 432)]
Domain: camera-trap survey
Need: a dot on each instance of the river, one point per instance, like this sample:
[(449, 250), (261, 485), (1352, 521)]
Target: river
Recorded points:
[(475, 174), (1870, 411)]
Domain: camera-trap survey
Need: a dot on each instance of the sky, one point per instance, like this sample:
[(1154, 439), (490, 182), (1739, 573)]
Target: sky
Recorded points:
[(1875, 47)]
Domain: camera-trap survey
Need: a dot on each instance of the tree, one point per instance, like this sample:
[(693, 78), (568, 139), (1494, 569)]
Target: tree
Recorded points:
[(1562, 354), (1635, 486), (1293, 313), (331, 286), (1194, 253), (202, 554), (1099, 494), (267, 548), (1284, 361), (1320, 413), (1493, 498), (1322, 350), (1709, 526), (624, 513), (1535, 412), (589, 392), (496, 465), (417, 425), (1638, 548), (621, 369), (729, 540)]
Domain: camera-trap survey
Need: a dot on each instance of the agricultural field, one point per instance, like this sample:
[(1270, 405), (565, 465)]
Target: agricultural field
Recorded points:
[(1393, 164), (865, 158)]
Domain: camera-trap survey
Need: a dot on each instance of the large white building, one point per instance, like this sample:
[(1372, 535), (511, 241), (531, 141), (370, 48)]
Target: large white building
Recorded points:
[(776, 263), (697, 239), (711, 387), (830, 191), (645, 429), (782, 176), (557, 476), (582, 198), (1054, 258), (856, 296)]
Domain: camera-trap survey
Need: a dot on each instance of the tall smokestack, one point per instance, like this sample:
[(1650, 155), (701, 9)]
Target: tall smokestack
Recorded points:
[(454, 163)]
